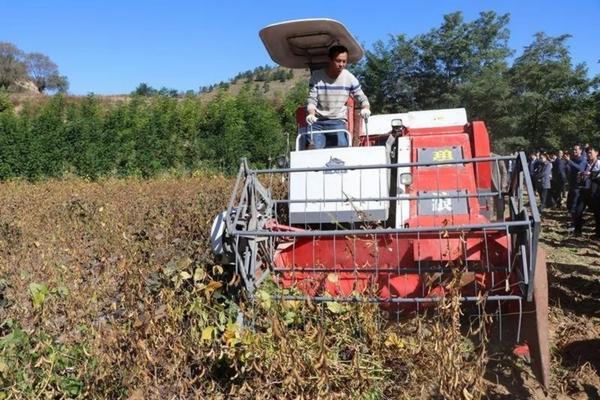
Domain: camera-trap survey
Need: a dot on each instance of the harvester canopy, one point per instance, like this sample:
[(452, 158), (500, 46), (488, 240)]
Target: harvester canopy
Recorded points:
[(305, 43)]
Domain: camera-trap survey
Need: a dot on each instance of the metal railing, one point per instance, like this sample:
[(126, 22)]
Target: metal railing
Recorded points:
[(497, 236)]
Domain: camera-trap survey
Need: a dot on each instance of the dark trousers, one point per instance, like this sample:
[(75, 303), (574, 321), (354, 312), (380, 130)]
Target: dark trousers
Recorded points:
[(578, 209), (573, 198), (594, 206), (596, 211), (544, 198), (558, 192), (320, 140)]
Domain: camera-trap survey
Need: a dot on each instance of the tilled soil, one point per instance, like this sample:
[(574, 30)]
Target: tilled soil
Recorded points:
[(574, 296)]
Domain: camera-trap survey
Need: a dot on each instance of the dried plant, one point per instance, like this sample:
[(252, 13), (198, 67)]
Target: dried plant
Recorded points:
[(109, 290)]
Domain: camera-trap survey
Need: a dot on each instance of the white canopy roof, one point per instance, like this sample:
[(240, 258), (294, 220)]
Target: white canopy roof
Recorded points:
[(305, 43)]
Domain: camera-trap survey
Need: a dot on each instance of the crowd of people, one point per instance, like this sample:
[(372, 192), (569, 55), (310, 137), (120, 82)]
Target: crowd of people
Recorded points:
[(573, 176)]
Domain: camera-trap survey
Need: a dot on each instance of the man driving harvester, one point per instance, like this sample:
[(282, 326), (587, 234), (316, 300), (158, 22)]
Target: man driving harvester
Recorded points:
[(329, 89)]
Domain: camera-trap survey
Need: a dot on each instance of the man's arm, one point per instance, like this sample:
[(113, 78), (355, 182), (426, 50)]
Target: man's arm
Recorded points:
[(358, 93), (313, 99), (580, 165)]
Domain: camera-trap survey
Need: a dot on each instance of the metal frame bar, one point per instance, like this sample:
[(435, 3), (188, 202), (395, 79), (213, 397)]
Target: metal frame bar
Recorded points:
[(311, 132), (377, 166), (523, 227), (378, 232), (396, 300), (384, 198)]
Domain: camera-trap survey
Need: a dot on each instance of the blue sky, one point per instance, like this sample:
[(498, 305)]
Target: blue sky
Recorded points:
[(109, 47)]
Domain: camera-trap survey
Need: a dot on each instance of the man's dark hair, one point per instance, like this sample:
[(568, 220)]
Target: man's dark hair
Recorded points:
[(335, 50)]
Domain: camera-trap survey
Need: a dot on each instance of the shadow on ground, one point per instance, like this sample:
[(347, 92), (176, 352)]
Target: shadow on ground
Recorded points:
[(578, 353), (574, 288)]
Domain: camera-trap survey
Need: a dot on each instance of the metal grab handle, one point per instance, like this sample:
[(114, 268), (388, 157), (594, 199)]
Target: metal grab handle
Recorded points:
[(347, 132), (367, 131)]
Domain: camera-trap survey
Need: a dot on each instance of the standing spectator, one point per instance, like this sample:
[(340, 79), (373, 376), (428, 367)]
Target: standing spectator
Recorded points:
[(591, 187), (532, 162), (559, 178), (576, 164), (542, 178)]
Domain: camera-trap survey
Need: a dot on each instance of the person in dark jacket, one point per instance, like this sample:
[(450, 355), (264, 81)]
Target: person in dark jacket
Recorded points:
[(591, 187), (542, 179), (576, 165), (532, 162), (559, 178)]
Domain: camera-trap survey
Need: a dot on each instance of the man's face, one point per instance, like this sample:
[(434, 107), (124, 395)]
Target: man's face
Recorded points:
[(560, 154), (592, 154), (576, 151), (338, 63)]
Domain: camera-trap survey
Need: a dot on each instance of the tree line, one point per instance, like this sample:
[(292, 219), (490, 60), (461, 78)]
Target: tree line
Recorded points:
[(142, 136), (538, 99), (18, 68)]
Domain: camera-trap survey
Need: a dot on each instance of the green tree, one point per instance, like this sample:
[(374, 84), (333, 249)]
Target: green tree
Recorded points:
[(43, 72), (47, 153), (88, 152), (553, 98), (12, 67), (437, 69), (143, 89), (388, 75), (246, 125), (9, 138), (295, 98)]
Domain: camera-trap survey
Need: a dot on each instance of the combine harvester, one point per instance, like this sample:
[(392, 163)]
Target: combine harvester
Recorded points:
[(388, 218)]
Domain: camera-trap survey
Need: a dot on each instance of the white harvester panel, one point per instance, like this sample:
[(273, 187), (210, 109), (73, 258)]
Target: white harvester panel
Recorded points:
[(381, 123), (437, 118), (314, 187)]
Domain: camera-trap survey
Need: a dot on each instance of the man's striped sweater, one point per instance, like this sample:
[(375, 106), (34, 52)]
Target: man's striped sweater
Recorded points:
[(328, 95)]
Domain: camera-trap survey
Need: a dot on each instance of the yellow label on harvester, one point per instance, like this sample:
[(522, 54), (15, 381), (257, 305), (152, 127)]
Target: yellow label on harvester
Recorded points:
[(443, 155)]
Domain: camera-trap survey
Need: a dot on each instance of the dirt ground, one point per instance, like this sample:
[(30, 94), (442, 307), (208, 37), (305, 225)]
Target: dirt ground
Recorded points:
[(574, 297)]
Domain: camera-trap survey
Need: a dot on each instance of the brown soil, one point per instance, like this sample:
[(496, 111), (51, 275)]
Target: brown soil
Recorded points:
[(574, 296)]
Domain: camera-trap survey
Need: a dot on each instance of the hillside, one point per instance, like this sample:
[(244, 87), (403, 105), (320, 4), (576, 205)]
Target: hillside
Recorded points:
[(273, 88)]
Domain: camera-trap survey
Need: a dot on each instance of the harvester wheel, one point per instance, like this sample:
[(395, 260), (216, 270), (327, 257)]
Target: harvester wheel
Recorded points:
[(536, 322)]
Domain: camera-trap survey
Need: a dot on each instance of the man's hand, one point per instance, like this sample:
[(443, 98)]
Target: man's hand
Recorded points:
[(311, 119), (365, 113)]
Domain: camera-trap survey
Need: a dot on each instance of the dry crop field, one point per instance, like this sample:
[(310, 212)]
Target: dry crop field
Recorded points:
[(108, 290)]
